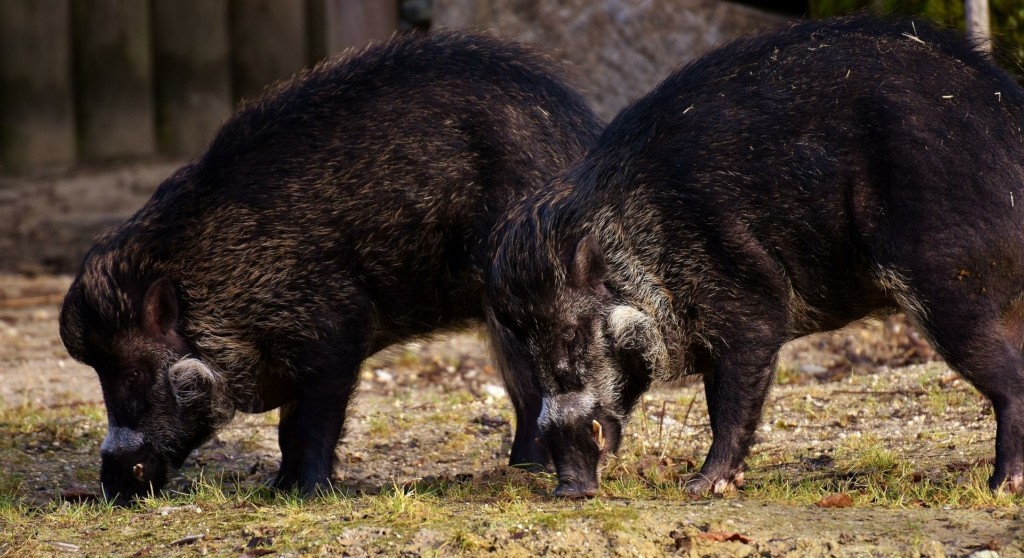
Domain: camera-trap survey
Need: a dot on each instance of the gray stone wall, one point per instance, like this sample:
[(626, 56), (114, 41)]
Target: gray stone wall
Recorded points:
[(619, 49)]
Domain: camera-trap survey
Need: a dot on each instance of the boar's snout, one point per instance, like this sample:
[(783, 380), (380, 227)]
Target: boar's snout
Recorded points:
[(129, 467), (571, 486), (579, 432), (577, 471)]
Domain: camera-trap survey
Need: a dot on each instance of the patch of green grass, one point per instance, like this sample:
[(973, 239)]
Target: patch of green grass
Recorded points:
[(944, 392), (378, 424), (877, 476), (787, 374), (466, 541), (46, 428), (866, 453), (386, 423), (608, 517), (10, 485), (459, 510), (405, 506), (407, 358)]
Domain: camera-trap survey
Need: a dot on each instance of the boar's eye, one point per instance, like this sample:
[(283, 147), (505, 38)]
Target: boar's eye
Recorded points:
[(569, 335)]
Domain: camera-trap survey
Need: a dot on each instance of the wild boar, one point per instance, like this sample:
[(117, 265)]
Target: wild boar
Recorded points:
[(781, 185), (343, 211)]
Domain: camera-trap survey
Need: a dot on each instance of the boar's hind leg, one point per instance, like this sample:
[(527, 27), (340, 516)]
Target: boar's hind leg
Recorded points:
[(311, 425), (736, 388), (986, 350)]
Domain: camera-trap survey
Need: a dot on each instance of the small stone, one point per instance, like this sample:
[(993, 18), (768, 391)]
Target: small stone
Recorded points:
[(812, 369), (494, 390)]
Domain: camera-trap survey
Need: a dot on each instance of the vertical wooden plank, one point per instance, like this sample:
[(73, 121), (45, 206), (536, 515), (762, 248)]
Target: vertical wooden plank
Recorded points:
[(191, 72), (268, 43), (36, 116), (979, 27), (113, 79), (339, 24)]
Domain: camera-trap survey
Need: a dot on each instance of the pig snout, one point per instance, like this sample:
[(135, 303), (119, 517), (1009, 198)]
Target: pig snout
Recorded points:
[(575, 486), (576, 461), (129, 467)]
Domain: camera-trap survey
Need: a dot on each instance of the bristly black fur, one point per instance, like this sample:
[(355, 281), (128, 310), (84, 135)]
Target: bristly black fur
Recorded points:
[(345, 210), (783, 184)]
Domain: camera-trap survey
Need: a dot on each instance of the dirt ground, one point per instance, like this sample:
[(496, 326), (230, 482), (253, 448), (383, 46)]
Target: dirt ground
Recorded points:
[(434, 414)]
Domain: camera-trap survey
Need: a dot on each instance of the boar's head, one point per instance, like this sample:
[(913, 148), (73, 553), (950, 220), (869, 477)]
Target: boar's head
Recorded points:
[(557, 314), (161, 401)]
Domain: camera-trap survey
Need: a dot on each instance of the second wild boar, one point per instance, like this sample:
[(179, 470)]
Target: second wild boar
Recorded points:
[(782, 185)]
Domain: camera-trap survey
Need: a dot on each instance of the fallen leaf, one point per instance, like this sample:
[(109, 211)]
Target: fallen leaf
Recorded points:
[(145, 551), (63, 546), (190, 539), (168, 510), (841, 500), (260, 541), (960, 466), (682, 542), (722, 536), (489, 421), (79, 494)]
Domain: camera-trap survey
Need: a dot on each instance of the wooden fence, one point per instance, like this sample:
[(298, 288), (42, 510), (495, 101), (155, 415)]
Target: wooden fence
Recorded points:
[(99, 81)]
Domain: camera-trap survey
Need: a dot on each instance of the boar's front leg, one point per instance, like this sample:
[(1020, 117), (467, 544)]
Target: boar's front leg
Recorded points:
[(312, 424), (527, 450), (736, 388)]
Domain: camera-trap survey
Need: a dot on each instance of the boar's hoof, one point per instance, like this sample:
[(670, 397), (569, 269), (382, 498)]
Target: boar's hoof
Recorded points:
[(575, 491), (1013, 484), (723, 486), (1016, 484), (700, 485), (139, 470)]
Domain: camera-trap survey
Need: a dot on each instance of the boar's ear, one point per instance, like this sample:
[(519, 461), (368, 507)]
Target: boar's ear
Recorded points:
[(588, 268), (160, 308)]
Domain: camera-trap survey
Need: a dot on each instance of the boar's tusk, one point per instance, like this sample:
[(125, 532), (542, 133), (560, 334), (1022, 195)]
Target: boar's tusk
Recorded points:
[(598, 432), (139, 470)]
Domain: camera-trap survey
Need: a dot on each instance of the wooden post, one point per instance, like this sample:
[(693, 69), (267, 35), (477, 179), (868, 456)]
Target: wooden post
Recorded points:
[(113, 79), (191, 71), (335, 25), (36, 117), (978, 26), (268, 43)]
